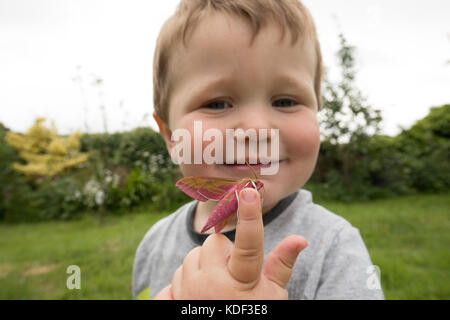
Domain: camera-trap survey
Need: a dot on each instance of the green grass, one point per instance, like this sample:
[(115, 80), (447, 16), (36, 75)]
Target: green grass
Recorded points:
[(34, 257), (407, 238)]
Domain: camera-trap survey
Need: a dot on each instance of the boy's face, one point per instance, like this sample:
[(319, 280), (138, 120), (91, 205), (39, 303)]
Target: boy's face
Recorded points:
[(269, 85)]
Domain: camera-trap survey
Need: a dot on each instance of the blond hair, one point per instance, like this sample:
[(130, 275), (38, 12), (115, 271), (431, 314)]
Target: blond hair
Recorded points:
[(291, 14)]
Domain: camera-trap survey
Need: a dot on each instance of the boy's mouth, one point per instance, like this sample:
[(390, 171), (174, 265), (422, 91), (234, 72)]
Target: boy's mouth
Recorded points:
[(245, 167)]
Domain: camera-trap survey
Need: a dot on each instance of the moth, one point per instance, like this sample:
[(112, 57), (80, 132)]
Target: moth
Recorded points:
[(224, 190)]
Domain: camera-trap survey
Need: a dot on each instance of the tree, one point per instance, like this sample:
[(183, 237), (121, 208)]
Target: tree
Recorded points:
[(44, 152), (346, 120), (346, 117)]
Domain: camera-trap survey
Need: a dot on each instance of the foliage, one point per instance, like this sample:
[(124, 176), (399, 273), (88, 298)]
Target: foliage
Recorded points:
[(49, 201), (356, 163), (130, 168), (346, 125), (9, 178), (124, 170), (426, 148), (44, 152), (417, 160), (152, 182), (345, 116), (125, 148)]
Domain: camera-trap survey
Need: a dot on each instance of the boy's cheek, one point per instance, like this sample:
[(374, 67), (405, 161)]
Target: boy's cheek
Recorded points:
[(305, 141)]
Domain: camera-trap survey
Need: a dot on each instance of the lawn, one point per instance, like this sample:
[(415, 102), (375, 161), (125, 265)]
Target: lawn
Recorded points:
[(407, 238)]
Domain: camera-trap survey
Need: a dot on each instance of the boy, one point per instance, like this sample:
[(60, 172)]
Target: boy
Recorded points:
[(250, 56)]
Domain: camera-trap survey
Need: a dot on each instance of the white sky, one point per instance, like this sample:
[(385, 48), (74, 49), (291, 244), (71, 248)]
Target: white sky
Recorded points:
[(402, 50)]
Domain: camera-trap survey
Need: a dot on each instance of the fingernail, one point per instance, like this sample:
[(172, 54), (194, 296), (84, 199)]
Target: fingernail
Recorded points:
[(249, 195)]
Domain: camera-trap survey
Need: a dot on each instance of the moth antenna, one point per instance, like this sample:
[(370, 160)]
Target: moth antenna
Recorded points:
[(256, 178), (237, 197)]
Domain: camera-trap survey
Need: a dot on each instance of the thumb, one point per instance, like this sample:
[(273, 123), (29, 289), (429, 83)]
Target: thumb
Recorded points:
[(280, 261)]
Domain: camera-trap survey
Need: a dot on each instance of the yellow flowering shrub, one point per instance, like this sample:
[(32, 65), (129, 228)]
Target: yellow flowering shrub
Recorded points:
[(46, 153)]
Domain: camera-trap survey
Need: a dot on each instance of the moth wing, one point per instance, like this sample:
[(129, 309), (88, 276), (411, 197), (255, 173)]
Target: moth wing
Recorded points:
[(221, 214), (206, 188), (218, 227)]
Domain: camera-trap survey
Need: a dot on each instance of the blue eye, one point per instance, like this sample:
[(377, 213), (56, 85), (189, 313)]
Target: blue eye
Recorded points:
[(216, 105), (284, 103)]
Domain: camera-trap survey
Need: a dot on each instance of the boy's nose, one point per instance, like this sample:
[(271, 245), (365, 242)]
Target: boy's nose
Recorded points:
[(255, 118)]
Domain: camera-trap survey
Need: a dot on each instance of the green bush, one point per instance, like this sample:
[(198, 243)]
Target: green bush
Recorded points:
[(125, 148), (417, 160), (7, 156), (13, 187), (50, 200), (137, 187), (426, 150), (123, 171), (150, 181), (54, 201)]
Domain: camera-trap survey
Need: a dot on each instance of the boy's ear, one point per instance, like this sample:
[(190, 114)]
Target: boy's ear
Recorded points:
[(165, 132)]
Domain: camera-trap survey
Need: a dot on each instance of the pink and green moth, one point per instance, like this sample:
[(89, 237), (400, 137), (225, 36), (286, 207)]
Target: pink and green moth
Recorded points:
[(224, 190)]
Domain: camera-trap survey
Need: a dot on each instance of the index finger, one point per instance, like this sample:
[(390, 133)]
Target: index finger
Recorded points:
[(247, 254)]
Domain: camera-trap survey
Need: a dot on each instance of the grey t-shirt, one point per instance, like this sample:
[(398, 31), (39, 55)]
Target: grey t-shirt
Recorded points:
[(335, 265)]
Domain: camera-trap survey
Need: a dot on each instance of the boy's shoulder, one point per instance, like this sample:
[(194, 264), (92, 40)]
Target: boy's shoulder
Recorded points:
[(303, 215), (335, 263), (167, 225)]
